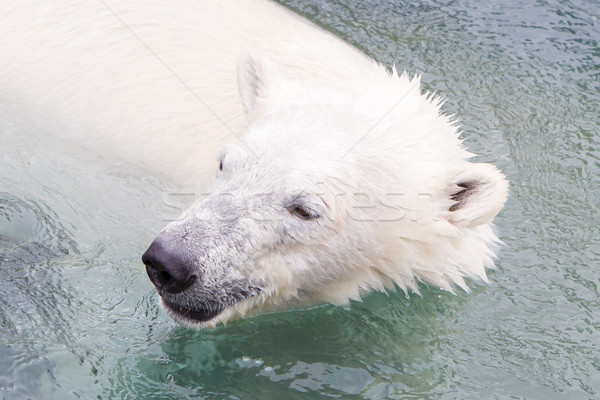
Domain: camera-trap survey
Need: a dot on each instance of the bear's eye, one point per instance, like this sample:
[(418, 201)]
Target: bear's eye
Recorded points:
[(221, 166), (302, 212)]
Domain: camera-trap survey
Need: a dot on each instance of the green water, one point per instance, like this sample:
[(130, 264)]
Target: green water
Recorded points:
[(79, 318)]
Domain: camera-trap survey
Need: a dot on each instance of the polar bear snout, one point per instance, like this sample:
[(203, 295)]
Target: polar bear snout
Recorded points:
[(168, 266)]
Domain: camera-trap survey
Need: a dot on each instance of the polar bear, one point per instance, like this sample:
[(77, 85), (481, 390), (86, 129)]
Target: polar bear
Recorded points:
[(328, 175)]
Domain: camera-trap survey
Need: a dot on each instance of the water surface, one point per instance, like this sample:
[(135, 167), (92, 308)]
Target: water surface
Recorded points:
[(79, 319)]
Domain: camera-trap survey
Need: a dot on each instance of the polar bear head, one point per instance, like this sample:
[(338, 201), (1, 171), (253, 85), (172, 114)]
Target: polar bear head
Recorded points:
[(332, 191)]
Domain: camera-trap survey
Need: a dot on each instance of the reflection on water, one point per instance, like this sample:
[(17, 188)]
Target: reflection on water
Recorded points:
[(78, 318), (327, 350)]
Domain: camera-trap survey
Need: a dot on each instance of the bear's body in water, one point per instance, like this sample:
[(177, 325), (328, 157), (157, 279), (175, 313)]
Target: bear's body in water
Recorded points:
[(332, 175)]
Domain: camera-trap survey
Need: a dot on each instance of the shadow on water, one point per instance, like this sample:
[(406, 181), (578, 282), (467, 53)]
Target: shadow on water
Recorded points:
[(384, 345)]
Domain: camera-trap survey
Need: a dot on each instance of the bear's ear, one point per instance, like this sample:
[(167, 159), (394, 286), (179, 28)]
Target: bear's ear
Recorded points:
[(477, 194), (252, 79)]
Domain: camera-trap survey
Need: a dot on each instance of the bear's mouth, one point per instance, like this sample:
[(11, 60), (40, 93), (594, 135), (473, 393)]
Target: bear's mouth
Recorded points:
[(197, 314), (207, 310)]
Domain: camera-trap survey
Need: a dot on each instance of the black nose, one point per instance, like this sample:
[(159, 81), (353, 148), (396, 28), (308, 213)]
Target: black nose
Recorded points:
[(169, 267)]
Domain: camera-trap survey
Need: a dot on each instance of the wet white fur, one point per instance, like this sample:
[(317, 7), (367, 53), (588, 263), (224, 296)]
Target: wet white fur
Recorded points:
[(166, 84)]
